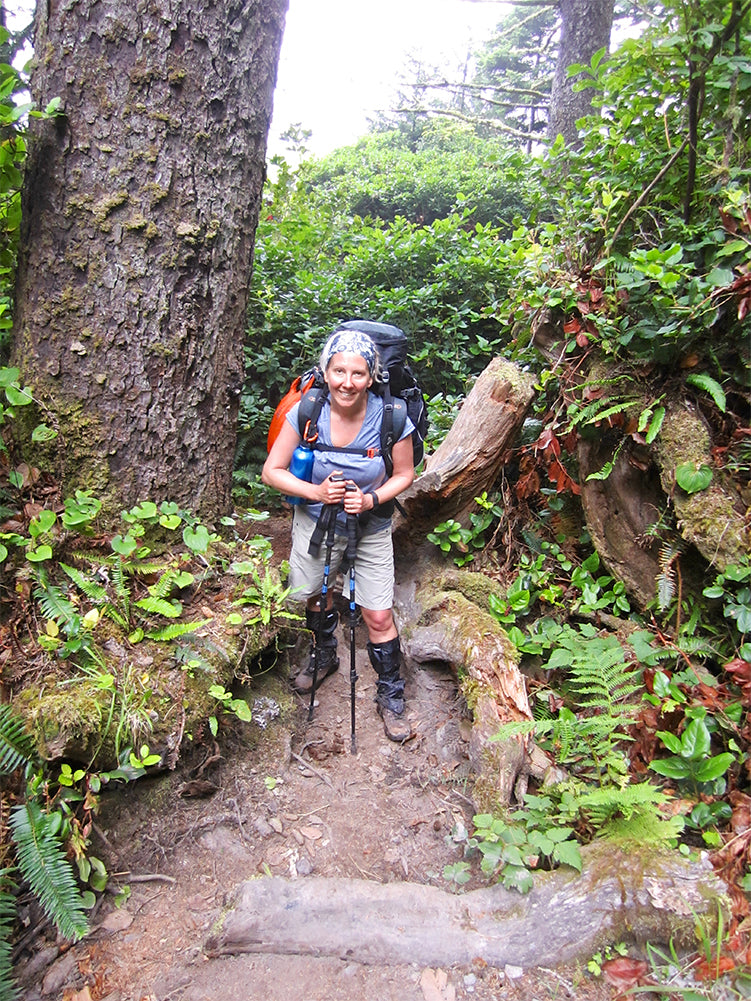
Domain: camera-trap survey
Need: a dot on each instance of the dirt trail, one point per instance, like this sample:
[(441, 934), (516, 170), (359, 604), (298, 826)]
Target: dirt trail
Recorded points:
[(287, 798)]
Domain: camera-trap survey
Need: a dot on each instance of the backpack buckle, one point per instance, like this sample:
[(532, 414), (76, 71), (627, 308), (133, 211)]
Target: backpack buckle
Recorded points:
[(372, 453)]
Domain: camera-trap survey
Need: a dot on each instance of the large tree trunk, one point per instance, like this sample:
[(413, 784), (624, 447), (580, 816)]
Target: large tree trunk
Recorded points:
[(585, 29), (140, 210)]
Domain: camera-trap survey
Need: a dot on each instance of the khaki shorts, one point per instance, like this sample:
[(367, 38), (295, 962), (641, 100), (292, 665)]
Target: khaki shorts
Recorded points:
[(374, 566)]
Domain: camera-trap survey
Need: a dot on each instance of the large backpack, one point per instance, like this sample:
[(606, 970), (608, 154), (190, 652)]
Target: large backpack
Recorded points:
[(401, 393)]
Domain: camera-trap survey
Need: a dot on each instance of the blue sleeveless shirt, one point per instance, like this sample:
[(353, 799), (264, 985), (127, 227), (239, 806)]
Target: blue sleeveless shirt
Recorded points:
[(366, 471)]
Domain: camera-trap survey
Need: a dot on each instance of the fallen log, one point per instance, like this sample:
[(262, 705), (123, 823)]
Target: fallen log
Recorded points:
[(629, 894), (449, 621), (473, 453)]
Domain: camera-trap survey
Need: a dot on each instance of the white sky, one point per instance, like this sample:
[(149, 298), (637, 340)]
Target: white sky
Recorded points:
[(341, 59)]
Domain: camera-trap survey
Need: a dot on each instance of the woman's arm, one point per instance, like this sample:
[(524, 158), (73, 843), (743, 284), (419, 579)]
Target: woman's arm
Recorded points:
[(276, 472), (401, 477)]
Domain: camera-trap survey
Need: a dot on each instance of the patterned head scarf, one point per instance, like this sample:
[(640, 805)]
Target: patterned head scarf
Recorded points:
[(350, 342)]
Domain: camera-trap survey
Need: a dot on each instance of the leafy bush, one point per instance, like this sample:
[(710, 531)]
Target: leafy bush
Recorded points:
[(448, 169)]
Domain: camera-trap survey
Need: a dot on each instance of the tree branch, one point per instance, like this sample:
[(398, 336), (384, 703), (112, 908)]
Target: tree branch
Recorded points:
[(640, 200), (491, 123), (478, 88)]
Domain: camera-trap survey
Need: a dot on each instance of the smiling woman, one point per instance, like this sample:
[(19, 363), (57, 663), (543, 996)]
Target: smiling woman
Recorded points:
[(342, 62), (346, 502)]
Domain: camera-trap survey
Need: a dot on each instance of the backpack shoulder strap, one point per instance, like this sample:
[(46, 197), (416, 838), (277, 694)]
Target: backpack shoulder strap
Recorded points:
[(311, 404), (392, 425)]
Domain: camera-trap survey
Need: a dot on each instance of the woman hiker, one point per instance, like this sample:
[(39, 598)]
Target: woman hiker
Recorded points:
[(350, 416)]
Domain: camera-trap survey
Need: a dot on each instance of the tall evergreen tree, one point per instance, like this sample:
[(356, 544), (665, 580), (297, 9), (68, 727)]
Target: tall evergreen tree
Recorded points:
[(140, 209)]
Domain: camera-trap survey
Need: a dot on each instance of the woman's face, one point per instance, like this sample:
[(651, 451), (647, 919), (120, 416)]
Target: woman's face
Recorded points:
[(348, 378)]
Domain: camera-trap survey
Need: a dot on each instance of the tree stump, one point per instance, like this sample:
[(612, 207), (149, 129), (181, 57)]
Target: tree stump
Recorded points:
[(443, 615)]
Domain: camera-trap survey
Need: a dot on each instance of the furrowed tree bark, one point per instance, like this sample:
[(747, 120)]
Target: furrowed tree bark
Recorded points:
[(140, 209), (585, 29)]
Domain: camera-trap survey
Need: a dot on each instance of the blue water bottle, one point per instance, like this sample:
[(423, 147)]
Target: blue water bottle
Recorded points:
[(301, 466)]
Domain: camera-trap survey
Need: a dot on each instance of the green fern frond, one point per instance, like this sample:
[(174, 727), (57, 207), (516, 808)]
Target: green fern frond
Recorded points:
[(666, 577), (601, 681), (588, 413), (517, 728), (88, 587), (630, 813), (606, 803), (600, 673), (541, 711), (16, 743), (174, 631), (698, 646), (665, 590), (42, 863), (565, 732), (561, 731), (158, 606), (93, 558), (644, 827), (54, 603), (600, 410), (147, 569), (623, 265), (116, 615), (8, 989), (700, 380), (119, 580), (164, 586)]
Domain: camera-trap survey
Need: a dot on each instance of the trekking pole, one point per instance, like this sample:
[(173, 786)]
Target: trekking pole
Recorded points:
[(331, 527), (351, 553)]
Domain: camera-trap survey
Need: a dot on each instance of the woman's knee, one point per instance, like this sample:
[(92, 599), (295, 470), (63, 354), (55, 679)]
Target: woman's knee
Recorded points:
[(379, 621)]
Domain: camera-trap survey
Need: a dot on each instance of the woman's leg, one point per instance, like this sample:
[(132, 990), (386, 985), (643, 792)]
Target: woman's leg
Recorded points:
[(306, 574), (380, 623), (385, 655)]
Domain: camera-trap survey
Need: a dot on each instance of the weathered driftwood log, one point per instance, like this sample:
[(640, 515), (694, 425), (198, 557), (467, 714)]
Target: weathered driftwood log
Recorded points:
[(624, 894), (474, 451), (443, 616)]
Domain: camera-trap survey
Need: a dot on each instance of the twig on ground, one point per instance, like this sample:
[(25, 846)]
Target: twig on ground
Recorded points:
[(233, 802), (210, 759), (151, 877), (312, 768)]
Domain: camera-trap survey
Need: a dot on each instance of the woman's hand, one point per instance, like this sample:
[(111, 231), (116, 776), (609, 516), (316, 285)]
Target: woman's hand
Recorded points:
[(355, 501), (332, 490)]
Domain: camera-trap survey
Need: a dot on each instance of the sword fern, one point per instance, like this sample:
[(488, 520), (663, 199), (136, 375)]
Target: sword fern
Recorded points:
[(39, 854), (16, 743), (8, 990), (43, 864)]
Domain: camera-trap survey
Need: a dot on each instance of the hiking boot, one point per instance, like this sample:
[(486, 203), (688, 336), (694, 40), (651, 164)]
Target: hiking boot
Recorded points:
[(386, 659), (395, 725), (323, 646)]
